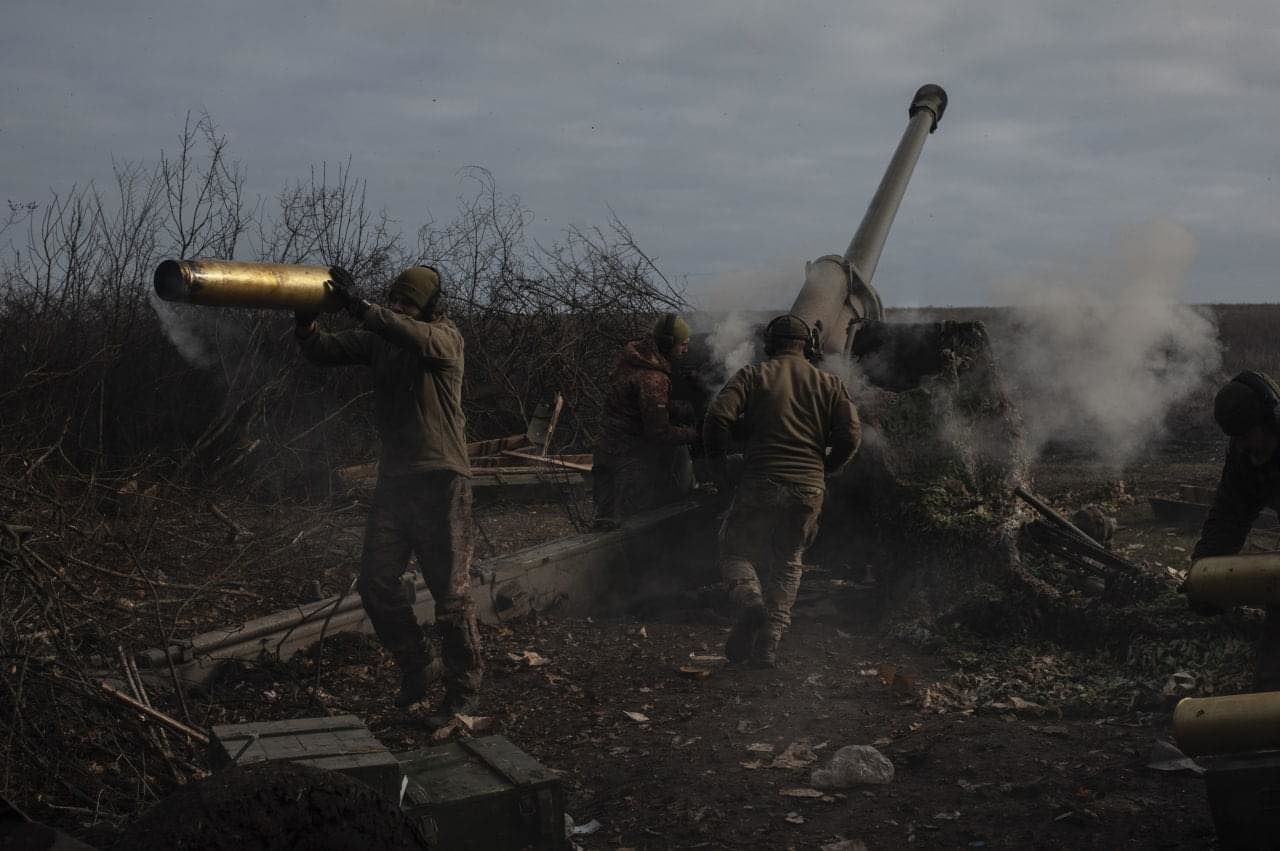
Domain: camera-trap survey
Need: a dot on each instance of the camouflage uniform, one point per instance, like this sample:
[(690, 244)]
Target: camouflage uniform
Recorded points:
[(1243, 491), (635, 462), (422, 502), (791, 412)]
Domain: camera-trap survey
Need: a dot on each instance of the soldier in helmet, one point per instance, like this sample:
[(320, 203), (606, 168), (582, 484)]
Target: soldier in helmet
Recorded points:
[(635, 461), (1246, 410), (790, 412), (422, 501)]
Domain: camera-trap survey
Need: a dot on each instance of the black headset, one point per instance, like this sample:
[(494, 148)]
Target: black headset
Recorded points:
[(809, 338), (1266, 391)]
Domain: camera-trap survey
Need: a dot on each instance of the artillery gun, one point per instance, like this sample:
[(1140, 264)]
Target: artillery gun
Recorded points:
[(927, 504)]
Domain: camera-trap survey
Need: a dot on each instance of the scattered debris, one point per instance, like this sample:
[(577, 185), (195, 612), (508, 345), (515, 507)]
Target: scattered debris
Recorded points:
[(529, 659), (694, 672), (638, 717), (798, 754), (760, 747), (1165, 756), (853, 765), (794, 817), (1180, 684), (706, 658), (477, 723), (587, 829), (801, 792), (845, 845)]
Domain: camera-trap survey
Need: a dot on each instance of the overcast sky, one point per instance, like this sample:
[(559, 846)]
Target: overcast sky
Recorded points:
[(732, 137)]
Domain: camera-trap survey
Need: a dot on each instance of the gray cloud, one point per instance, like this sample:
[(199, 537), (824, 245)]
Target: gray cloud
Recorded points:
[(725, 134)]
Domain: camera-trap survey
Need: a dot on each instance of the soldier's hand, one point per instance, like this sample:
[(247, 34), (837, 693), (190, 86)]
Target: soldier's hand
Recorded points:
[(303, 322), (343, 287)]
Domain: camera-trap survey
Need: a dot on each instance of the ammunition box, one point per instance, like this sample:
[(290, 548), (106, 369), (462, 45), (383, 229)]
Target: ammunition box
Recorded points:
[(1244, 797), (342, 743), (484, 795)]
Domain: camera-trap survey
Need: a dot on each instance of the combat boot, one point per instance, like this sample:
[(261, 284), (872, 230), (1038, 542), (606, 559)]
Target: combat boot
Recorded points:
[(737, 647), (764, 652), (415, 680), (455, 703)]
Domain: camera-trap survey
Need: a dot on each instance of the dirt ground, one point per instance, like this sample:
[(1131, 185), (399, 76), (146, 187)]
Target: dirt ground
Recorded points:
[(663, 759)]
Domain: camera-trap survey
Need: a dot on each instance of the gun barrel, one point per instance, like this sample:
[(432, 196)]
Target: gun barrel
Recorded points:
[(864, 249), (837, 289), (230, 283)]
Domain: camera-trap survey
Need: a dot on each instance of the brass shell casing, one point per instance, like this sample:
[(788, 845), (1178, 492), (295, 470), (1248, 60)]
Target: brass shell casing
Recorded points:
[(229, 283), (1225, 581), (1229, 724)]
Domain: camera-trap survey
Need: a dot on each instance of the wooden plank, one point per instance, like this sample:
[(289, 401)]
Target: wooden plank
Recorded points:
[(480, 448), (552, 460)]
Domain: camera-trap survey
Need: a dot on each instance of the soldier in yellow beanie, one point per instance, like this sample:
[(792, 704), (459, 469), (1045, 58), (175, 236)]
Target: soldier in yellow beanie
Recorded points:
[(635, 457), (422, 502)]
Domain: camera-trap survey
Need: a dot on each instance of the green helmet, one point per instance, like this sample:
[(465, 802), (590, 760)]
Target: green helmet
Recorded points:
[(1250, 399), (670, 330), (788, 326), (419, 285)]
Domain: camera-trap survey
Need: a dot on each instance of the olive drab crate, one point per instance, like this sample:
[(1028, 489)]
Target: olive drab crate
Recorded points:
[(484, 795), (1244, 797), (342, 743)]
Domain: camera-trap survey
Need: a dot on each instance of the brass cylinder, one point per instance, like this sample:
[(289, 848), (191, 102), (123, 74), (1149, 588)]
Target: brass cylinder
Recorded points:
[(229, 283), (1230, 724), (1225, 581)]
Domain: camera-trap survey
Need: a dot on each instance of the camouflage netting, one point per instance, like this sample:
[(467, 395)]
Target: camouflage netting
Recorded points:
[(928, 504)]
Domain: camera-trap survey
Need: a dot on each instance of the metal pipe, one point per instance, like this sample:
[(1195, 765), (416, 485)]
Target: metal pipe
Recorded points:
[(837, 289), (230, 283), (1230, 724)]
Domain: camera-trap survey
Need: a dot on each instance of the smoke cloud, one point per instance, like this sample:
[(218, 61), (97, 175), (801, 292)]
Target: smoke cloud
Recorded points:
[(1096, 356), (733, 306), (185, 332)]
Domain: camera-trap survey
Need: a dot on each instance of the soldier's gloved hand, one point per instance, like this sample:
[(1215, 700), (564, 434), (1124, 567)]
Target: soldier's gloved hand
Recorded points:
[(343, 286), (303, 322)]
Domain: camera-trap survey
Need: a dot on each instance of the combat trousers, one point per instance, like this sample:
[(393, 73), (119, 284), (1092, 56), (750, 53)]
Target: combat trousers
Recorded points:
[(626, 484), (762, 543), (428, 515)]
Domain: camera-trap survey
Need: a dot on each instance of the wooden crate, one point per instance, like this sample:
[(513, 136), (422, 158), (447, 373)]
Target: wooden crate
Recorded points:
[(342, 743), (484, 795)]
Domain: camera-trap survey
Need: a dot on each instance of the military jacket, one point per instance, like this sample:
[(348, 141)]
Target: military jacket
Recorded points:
[(417, 387), (1243, 491), (637, 410), (791, 411)]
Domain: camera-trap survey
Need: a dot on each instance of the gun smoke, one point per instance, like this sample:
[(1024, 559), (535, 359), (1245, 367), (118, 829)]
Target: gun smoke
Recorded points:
[(734, 330), (184, 331), (1096, 357)]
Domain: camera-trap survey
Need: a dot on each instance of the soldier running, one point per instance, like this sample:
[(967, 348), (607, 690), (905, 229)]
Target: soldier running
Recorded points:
[(1246, 410), (791, 411), (635, 461), (422, 501)]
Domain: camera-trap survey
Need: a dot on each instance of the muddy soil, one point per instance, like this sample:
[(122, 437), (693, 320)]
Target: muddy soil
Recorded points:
[(668, 759), (995, 745)]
